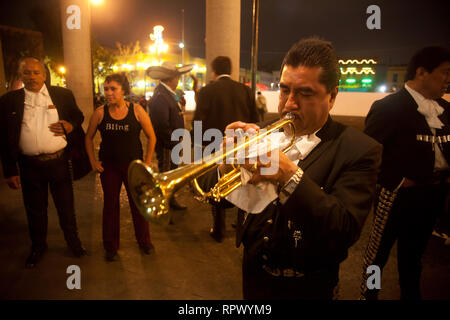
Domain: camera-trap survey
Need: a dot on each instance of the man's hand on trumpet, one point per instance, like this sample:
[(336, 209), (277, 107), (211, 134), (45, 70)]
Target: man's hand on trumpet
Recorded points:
[(276, 168), (230, 141), (285, 169)]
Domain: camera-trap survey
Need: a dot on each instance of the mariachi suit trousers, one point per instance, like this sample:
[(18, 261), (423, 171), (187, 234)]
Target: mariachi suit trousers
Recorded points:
[(36, 177), (411, 222)]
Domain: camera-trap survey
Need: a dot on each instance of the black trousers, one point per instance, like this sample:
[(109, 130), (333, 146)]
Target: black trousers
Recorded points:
[(164, 159), (165, 163), (257, 284), (218, 214), (36, 177), (411, 222)]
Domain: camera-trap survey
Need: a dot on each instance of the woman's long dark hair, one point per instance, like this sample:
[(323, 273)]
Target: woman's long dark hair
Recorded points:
[(121, 79)]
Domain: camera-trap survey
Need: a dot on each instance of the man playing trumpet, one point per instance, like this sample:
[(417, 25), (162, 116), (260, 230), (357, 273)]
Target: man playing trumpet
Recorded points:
[(324, 187)]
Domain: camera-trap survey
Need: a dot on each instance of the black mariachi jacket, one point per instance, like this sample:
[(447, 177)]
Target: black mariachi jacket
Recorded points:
[(166, 116), (11, 111), (327, 210), (395, 122)]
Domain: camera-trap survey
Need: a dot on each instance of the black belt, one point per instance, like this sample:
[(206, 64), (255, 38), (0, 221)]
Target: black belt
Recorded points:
[(293, 273), (438, 177), (286, 273), (46, 156)]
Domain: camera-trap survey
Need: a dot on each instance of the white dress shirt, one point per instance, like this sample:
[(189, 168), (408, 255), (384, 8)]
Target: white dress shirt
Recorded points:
[(430, 109), (223, 76), (255, 198), (35, 136)]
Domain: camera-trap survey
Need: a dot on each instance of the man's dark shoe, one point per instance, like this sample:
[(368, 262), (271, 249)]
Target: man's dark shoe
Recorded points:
[(110, 255), (34, 257), (216, 235), (176, 206), (79, 252), (147, 248)]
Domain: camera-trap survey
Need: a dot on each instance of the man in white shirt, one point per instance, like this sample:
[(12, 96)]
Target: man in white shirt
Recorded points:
[(36, 122), (414, 127)]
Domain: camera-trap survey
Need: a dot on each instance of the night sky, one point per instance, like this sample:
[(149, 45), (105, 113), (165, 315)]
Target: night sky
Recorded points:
[(405, 25)]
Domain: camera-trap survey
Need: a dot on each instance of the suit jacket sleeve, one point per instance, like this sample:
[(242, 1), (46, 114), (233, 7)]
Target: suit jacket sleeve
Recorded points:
[(379, 122), (252, 106), (201, 108), (382, 124), (160, 116), (71, 112), (337, 215), (8, 121)]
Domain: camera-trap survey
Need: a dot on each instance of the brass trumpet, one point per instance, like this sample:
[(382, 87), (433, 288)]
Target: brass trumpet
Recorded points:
[(152, 191)]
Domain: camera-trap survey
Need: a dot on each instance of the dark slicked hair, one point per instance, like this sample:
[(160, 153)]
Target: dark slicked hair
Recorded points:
[(121, 79), (314, 52), (221, 65), (428, 58)]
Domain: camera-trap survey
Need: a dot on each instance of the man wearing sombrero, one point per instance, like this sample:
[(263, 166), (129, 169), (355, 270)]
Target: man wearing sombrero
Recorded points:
[(166, 114)]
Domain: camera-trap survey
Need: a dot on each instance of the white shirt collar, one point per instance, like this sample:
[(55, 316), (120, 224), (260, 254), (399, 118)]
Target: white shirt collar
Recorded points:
[(430, 109), (223, 76), (416, 95), (303, 145), (43, 91), (167, 87)]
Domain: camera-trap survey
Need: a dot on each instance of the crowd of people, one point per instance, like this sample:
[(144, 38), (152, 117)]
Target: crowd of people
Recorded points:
[(296, 224)]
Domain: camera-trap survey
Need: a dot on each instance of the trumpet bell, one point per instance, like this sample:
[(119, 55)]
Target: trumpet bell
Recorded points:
[(147, 193)]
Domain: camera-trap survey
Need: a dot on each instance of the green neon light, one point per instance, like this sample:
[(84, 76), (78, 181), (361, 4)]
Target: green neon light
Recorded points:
[(350, 80), (366, 80)]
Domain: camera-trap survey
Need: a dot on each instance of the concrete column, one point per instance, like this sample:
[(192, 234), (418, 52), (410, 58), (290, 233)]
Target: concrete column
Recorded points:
[(223, 33), (76, 25), (2, 71)]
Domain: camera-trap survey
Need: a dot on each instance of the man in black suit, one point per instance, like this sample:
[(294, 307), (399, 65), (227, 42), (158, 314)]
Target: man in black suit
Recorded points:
[(298, 231), (166, 113), (414, 127), (219, 103), (224, 100), (34, 123)]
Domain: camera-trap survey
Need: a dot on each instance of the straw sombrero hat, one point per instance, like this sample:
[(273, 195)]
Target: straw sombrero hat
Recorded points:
[(167, 70)]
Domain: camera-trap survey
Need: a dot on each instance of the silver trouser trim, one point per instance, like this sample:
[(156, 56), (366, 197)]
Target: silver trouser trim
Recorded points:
[(386, 200)]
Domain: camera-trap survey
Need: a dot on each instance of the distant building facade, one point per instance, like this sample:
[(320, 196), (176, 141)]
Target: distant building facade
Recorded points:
[(395, 77)]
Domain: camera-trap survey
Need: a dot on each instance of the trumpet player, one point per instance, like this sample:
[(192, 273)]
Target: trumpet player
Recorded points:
[(297, 233)]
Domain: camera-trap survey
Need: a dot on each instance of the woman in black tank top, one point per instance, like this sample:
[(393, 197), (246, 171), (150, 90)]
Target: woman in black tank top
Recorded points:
[(120, 124)]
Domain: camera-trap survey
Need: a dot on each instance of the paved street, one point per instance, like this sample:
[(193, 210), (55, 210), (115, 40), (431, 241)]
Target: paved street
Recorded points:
[(187, 263)]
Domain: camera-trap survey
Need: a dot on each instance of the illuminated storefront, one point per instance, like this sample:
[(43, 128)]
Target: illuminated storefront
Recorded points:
[(357, 75)]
